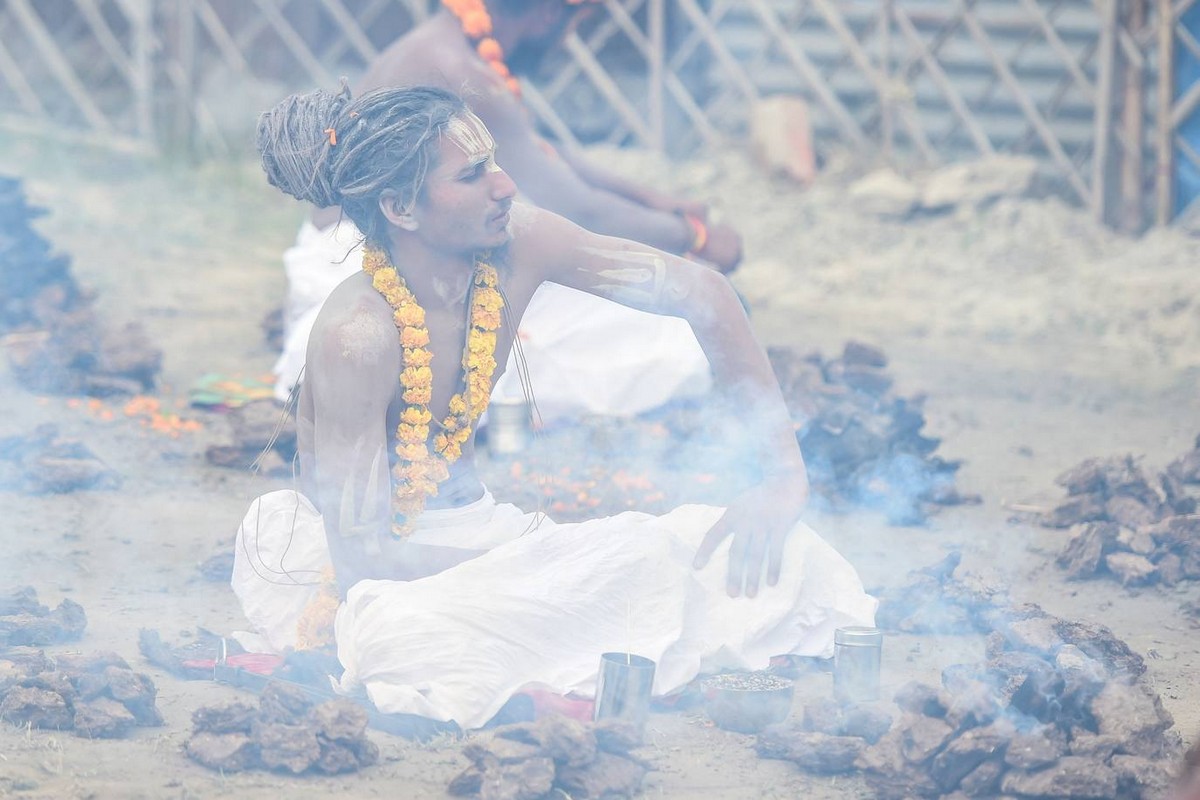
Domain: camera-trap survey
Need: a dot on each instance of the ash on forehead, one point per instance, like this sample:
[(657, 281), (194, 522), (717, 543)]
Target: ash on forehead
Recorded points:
[(470, 135)]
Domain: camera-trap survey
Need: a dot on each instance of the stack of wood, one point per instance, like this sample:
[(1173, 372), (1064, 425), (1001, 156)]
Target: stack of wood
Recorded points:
[(25, 621), (54, 339), (288, 732), (552, 757), (43, 462), (1128, 526), (94, 696), (862, 443), (1057, 710)]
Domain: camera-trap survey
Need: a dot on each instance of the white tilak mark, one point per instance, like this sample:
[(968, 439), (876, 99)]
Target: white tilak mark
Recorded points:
[(469, 134)]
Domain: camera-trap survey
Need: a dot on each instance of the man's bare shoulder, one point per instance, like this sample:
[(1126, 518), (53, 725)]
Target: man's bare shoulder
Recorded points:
[(354, 327)]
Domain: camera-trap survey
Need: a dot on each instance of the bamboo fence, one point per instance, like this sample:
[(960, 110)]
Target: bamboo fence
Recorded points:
[(1086, 85)]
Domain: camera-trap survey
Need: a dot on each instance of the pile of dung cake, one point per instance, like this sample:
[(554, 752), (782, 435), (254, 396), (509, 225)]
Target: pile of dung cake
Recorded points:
[(93, 695), (1130, 525), (863, 444), (53, 337), (1057, 709)]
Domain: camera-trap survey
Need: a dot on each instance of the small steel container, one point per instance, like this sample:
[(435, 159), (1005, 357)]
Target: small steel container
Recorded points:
[(857, 653), (509, 427), (623, 688)]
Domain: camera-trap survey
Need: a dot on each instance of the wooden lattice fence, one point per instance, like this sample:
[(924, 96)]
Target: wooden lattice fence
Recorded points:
[(1087, 85)]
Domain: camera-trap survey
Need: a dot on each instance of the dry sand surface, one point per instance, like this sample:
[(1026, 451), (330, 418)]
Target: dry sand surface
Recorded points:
[(1040, 339)]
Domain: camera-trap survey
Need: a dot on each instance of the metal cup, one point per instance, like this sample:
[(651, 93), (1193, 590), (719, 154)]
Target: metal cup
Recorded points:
[(623, 688), (857, 653), (509, 427)]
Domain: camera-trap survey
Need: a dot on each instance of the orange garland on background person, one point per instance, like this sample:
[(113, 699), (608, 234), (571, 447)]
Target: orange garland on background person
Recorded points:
[(477, 25), (418, 472)]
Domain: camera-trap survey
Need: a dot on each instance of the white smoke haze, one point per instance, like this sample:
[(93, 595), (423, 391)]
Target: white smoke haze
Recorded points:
[(1037, 338)]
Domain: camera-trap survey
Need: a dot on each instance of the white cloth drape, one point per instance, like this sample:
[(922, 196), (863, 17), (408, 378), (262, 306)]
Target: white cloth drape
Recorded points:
[(540, 607)]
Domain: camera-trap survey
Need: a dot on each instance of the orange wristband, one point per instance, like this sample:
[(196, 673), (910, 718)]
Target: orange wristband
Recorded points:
[(699, 233)]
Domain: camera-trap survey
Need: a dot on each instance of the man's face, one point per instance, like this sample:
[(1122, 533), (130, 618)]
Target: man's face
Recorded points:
[(466, 198)]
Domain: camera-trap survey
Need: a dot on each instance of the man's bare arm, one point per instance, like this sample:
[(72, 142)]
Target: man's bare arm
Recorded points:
[(658, 282)]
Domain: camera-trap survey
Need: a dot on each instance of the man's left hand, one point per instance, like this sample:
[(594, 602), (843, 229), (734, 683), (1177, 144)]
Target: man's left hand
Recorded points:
[(759, 520)]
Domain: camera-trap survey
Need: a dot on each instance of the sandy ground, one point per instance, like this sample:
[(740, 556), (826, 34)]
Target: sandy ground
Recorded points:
[(1039, 338)]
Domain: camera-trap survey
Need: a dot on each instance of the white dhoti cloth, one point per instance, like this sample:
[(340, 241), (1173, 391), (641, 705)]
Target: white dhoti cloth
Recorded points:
[(585, 354), (540, 607)]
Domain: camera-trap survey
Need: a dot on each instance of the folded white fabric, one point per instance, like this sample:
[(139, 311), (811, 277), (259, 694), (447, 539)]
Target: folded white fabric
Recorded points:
[(540, 607), (585, 354)]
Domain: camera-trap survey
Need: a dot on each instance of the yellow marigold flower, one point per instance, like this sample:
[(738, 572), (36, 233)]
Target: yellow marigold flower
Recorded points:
[(416, 377), (488, 320), (489, 299), (412, 433), (458, 405), (411, 315), (486, 275), (418, 357), (411, 451), (482, 342), (374, 260), (419, 395), (414, 337), (416, 416), (386, 281)]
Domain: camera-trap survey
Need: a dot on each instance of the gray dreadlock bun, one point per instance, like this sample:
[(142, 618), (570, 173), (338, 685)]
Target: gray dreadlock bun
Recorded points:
[(385, 140), (296, 148)]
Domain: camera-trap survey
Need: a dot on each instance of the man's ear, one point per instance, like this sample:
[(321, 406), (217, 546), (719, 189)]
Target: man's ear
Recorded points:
[(395, 212)]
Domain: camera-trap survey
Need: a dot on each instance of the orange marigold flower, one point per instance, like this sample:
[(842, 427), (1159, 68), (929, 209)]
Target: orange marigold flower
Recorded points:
[(476, 23), (490, 49), (414, 337)]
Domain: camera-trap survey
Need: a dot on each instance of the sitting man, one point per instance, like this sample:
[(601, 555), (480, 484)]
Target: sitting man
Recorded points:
[(447, 603), (646, 360)]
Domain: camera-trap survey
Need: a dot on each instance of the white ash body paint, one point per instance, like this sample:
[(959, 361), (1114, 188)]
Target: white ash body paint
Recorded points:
[(635, 277), (365, 338)]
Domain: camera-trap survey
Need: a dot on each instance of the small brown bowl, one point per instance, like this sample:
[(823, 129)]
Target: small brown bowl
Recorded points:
[(747, 702)]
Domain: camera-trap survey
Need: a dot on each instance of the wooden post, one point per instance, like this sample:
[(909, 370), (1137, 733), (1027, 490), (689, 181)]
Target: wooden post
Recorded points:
[(1165, 168), (885, 71), (1133, 121), (143, 74), (1102, 111), (656, 24)]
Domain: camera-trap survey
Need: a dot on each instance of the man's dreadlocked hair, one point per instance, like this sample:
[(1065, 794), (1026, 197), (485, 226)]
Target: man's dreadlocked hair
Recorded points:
[(331, 150)]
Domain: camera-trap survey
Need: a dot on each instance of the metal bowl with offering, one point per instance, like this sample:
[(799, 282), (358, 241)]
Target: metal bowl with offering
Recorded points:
[(747, 702)]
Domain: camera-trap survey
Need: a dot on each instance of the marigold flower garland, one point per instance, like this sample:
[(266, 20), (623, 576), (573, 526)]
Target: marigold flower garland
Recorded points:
[(417, 472), (476, 23)]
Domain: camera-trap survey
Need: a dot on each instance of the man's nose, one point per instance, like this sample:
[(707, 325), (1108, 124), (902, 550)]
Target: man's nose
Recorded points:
[(503, 187)]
